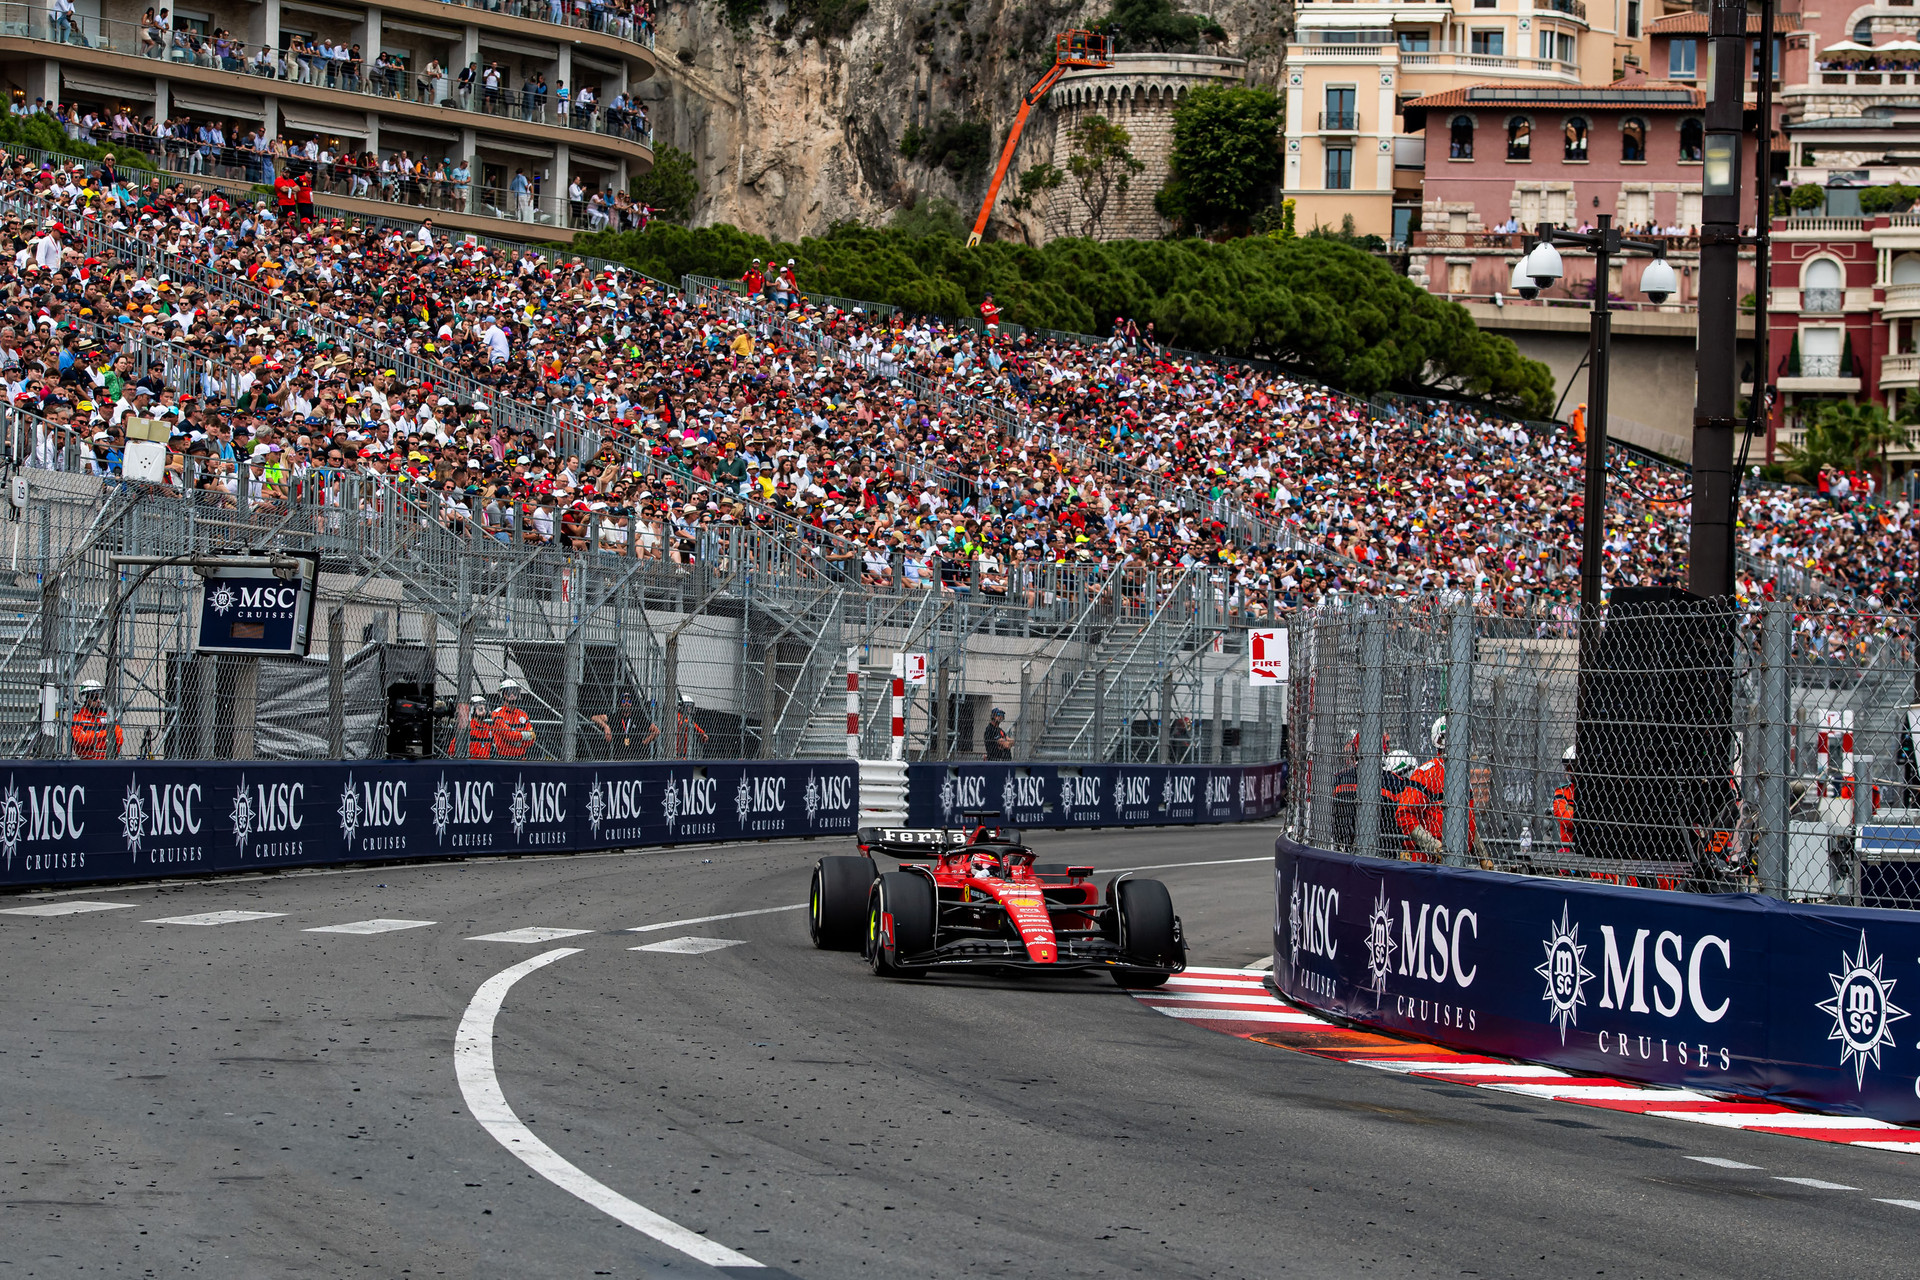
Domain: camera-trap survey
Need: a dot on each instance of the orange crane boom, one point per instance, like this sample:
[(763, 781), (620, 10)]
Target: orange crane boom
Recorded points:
[(1073, 49)]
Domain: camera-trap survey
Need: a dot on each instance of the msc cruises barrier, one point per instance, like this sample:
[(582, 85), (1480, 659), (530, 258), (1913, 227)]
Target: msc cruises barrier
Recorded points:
[(1094, 795), (88, 821), (1735, 993)]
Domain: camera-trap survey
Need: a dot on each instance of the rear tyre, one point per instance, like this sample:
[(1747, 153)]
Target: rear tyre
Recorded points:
[(1148, 935), (906, 899), (837, 902)]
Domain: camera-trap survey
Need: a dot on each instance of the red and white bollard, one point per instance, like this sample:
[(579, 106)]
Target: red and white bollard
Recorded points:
[(898, 749), (853, 704), (1828, 721), (1846, 754)]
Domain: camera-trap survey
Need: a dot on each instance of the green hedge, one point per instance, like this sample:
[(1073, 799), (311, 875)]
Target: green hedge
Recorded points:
[(1333, 312), (41, 132)]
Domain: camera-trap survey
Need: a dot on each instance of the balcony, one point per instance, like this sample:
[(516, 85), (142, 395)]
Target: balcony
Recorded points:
[(1339, 122), (1902, 300), (1862, 79), (1896, 371), (1822, 301), (1410, 153), (1572, 8), (170, 53), (1820, 366), (1479, 63)]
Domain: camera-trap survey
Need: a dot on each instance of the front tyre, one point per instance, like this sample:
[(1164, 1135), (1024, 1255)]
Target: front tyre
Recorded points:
[(837, 902), (1149, 937), (900, 921)]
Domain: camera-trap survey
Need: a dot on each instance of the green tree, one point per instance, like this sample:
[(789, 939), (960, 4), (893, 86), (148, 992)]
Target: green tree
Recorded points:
[(1226, 155), (1807, 195), (931, 216), (1148, 25), (1102, 167), (1036, 182), (669, 187), (1319, 306), (1897, 197)]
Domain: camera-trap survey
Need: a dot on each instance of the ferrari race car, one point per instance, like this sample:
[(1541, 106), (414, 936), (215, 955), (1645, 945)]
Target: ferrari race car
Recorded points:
[(976, 899)]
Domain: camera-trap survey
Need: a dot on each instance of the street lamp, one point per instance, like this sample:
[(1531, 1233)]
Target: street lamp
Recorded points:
[(1542, 265)]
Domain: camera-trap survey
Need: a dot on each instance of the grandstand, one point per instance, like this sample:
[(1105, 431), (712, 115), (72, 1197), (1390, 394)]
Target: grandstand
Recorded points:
[(426, 406)]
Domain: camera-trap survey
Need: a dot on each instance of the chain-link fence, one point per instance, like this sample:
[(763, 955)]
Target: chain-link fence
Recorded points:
[(1670, 743), (453, 637)]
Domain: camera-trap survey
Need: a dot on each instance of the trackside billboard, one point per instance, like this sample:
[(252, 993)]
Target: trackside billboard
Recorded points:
[(1094, 795), (82, 821), (1733, 993)]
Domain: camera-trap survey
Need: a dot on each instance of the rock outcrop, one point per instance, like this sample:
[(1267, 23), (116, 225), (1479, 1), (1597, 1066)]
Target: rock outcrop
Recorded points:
[(792, 132)]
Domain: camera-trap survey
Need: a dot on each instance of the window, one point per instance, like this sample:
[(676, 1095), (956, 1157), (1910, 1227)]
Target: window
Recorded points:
[(1576, 138), (1492, 44), (1633, 140), (1863, 31), (1633, 19), (1339, 168), (1906, 269), (1680, 59), (1460, 139), (1824, 286), (1415, 42), (1339, 113), (1754, 64), (1519, 138), (1556, 46), (1692, 140), (1820, 353)]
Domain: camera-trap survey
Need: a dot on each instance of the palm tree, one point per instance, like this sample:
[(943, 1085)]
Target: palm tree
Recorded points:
[(1846, 437)]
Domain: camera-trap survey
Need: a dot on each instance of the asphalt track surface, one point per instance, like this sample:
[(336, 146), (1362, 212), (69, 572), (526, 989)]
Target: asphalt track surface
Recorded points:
[(253, 1099)]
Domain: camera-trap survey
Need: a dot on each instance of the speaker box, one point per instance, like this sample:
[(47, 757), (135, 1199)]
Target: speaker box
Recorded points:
[(409, 720), (1654, 745)]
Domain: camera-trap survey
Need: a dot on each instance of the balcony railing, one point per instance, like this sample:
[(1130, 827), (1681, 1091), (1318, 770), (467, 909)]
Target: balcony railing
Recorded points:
[(1821, 300), (1339, 121), (1513, 241), (1866, 79), (1573, 8), (1901, 298), (1819, 366), (572, 14), (378, 81), (1489, 62), (1895, 370)]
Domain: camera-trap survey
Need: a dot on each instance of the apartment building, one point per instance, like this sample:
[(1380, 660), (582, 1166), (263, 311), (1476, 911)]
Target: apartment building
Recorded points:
[(511, 115), (1352, 66)]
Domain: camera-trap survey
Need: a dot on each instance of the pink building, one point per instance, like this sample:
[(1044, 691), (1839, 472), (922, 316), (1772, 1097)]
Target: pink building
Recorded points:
[(1844, 318)]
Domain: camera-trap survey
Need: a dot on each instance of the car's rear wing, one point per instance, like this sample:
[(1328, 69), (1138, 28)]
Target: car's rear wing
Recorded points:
[(912, 842)]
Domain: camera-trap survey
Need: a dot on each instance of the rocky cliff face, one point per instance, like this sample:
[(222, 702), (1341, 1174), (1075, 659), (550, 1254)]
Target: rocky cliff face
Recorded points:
[(792, 133)]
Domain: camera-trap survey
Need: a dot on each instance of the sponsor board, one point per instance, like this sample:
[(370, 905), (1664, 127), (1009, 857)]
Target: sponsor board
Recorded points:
[(1089, 795), (1735, 993), (85, 820)]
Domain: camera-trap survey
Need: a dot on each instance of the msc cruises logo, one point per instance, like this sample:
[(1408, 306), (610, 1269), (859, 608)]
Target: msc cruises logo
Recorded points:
[(13, 822), (1566, 972), (1863, 1011), (1380, 944), (596, 807), (222, 599)]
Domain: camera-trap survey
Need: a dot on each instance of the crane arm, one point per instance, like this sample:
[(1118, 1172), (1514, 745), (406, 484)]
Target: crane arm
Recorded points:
[(1027, 104)]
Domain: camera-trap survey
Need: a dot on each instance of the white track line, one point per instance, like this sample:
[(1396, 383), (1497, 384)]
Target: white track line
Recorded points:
[(218, 917), (731, 915), (67, 908), (364, 927), (691, 946), (530, 934), (480, 1086)]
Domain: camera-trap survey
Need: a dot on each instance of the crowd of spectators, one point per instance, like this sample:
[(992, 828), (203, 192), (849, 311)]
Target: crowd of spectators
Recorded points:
[(913, 453)]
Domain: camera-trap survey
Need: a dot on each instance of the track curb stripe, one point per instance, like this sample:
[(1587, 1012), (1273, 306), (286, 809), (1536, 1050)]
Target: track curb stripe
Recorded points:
[(1237, 1002)]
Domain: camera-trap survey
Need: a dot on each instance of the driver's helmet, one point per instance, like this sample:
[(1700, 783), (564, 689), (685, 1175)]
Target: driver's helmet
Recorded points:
[(983, 866)]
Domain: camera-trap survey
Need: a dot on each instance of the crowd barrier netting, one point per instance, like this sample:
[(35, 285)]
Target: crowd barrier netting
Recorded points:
[(1734, 993), (1093, 795), (110, 820)]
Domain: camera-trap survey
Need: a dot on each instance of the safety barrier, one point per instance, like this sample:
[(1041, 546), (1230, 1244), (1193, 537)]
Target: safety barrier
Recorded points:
[(1732, 993), (116, 820), (1095, 795)]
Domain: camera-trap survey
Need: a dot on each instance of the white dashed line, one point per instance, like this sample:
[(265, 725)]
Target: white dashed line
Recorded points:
[(731, 915), (1899, 1204), (1721, 1162), (480, 1086), (66, 908), (691, 946), (1818, 1184), (372, 926), (534, 933), (218, 917)]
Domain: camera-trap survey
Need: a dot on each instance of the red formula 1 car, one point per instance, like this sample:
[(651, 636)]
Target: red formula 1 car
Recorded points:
[(976, 899)]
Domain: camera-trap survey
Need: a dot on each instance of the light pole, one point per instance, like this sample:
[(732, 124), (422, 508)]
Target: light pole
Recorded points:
[(1535, 271)]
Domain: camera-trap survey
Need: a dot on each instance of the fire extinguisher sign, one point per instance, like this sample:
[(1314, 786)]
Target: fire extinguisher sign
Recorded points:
[(1267, 657)]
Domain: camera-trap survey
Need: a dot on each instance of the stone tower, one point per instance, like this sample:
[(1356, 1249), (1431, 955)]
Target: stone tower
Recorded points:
[(1138, 92)]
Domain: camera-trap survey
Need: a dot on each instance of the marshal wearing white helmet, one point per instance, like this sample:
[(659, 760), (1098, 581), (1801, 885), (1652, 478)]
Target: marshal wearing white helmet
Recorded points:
[(512, 728), (1420, 811)]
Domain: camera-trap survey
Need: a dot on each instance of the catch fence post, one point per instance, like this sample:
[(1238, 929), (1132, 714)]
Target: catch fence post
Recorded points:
[(1771, 829), (336, 684), (1457, 794), (1366, 795)]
